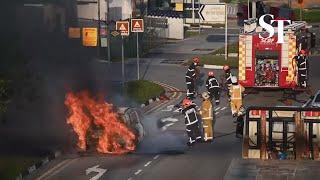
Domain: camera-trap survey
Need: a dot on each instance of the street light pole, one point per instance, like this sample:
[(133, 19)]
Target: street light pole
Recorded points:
[(108, 32), (98, 44)]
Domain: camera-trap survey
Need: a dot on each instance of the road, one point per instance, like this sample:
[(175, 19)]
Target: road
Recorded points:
[(163, 153)]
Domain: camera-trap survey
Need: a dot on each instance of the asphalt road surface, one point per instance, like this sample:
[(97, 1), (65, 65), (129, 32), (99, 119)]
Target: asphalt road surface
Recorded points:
[(163, 153)]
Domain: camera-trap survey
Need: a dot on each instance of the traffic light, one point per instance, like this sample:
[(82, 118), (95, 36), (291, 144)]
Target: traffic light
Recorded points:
[(300, 1)]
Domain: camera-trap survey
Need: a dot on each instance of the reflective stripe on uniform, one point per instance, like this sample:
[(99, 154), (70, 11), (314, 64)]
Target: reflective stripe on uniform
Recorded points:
[(192, 123), (207, 118)]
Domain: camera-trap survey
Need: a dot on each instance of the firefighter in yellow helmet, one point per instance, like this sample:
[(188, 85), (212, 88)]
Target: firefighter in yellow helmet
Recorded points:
[(206, 113), (236, 91)]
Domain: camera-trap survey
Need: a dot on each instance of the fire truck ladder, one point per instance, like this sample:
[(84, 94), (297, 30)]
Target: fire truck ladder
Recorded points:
[(295, 25)]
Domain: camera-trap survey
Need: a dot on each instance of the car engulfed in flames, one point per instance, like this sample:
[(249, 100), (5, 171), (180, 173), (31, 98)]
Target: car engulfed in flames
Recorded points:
[(100, 125)]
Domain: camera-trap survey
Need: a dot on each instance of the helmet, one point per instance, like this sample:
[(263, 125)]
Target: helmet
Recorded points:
[(186, 102), (304, 52), (234, 79), (210, 73), (196, 60), (226, 67), (205, 95)]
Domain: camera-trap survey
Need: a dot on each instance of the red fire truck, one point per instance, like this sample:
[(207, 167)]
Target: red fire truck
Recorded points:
[(264, 63)]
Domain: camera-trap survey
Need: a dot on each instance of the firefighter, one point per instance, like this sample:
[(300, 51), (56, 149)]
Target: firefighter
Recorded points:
[(240, 122), (236, 91), (213, 87), (302, 64), (206, 113), (191, 76), (191, 121), (228, 75)]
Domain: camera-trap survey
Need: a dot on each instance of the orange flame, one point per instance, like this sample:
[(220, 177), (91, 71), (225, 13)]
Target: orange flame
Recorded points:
[(117, 138)]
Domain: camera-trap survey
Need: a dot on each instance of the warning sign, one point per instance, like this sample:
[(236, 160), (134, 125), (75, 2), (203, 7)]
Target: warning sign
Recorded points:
[(123, 27), (89, 36), (74, 32), (137, 25)]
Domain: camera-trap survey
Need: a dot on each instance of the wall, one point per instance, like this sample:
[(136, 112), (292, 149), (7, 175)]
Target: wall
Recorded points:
[(90, 11), (175, 28)]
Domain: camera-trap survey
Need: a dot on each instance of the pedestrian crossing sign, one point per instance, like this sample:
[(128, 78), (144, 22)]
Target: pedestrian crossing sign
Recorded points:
[(123, 27), (137, 25)]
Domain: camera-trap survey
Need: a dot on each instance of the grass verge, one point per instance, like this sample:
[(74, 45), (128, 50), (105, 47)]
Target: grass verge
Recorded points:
[(142, 90), (211, 59), (189, 34), (10, 167), (309, 15), (232, 48)]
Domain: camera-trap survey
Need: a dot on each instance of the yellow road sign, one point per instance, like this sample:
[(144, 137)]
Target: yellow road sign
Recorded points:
[(74, 32), (89, 36), (179, 6)]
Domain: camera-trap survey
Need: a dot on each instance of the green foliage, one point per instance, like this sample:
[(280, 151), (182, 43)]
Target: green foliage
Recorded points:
[(232, 48), (309, 15), (5, 95), (10, 167), (143, 90), (210, 59)]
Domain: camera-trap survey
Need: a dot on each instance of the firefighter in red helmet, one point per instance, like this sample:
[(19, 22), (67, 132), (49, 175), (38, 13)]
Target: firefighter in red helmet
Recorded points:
[(213, 87), (191, 76), (191, 120)]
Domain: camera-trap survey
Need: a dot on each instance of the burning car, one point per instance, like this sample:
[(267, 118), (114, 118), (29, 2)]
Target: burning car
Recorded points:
[(101, 125)]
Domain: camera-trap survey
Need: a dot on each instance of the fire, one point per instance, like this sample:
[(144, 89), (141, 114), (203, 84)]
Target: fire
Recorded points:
[(85, 111)]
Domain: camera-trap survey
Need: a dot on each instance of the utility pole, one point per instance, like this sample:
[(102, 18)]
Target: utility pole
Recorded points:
[(193, 15), (199, 17), (108, 31), (98, 44)]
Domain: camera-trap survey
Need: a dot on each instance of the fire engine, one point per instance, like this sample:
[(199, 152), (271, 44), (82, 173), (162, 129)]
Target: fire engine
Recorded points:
[(264, 63)]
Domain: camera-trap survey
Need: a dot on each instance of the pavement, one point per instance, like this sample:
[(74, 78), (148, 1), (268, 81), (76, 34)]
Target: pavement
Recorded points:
[(163, 153)]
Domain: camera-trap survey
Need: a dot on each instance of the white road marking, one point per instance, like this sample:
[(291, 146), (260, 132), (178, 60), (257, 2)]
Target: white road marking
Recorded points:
[(96, 169), (130, 178), (223, 108), (169, 108), (165, 127), (138, 172), (169, 119), (216, 113), (56, 170), (148, 163), (53, 169), (156, 157), (216, 109)]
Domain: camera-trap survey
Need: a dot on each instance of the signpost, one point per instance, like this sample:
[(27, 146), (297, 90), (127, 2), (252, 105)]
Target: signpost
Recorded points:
[(74, 32), (216, 13), (123, 27), (90, 37), (137, 25)]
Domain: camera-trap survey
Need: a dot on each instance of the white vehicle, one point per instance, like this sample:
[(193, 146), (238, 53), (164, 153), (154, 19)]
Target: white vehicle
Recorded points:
[(314, 101)]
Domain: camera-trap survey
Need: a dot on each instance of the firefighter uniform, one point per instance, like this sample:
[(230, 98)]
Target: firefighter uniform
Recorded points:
[(236, 91), (207, 117), (190, 81), (191, 121), (302, 70), (213, 88), (228, 77)]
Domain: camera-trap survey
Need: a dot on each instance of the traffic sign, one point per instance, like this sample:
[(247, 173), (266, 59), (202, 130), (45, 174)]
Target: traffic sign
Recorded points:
[(213, 13), (89, 36), (123, 27), (137, 25), (74, 32), (114, 33)]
